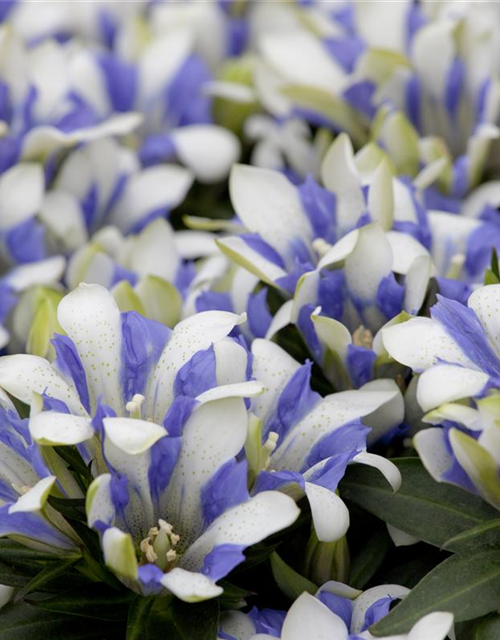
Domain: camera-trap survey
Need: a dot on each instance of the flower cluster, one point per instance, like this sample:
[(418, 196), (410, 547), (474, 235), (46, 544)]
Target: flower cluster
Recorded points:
[(249, 335)]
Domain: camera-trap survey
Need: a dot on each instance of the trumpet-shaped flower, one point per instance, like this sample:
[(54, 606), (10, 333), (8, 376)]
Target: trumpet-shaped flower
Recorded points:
[(336, 611), (161, 419), (307, 441)]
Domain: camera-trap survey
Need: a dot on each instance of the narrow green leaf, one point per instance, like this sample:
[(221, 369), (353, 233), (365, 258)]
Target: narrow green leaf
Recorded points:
[(137, 617), (291, 583), (26, 622), (466, 584), (480, 536), (193, 621), (494, 263), (369, 559), (487, 629), (233, 596), (431, 511), (95, 601), (51, 571)]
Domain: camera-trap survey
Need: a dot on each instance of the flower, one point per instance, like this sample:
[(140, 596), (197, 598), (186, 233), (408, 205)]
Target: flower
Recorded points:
[(160, 417), (335, 611)]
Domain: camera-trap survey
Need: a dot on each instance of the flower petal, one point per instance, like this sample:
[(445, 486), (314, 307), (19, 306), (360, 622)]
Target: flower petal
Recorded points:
[(329, 513), (447, 383), (21, 194), (189, 586), (310, 618), (60, 429)]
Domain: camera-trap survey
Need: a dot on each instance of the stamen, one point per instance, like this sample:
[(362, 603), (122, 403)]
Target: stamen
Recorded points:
[(362, 338), (268, 448), (321, 246)]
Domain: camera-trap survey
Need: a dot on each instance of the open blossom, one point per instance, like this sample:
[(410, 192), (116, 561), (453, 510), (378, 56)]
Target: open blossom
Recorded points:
[(160, 416), (335, 611)]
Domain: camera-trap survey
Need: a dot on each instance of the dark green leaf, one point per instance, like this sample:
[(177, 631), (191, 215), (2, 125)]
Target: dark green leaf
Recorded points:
[(75, 462), (369, 559), (291, 583), (51, 571), (12, 551), (431, 511), (26, 622), (487, 629), (74, 509), (482, 535), (254, 556), (96, 602), (232, 596), (494, 263), (137, 617), (467, 584)]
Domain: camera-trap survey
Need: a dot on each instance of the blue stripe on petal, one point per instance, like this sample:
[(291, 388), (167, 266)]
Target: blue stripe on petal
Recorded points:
[(346, 50), (197, 375), (186, 103), (342, 607), (222, 559), (360, 361), (32, 526), (321, 207), (349, 439), (142, 346), (376, 611), (164, 456), (296, 400), (69, 364), (121, 81), (225, 489), (360, 96), (454, 86), (268, 621), (178, 414), (213, 301), (26, 241), (390, 296), (149, 577), (156, 149), (462, 324), (257, 244), (306, 328), (331, 473), (413, 95), (259, 316), (267, 481)]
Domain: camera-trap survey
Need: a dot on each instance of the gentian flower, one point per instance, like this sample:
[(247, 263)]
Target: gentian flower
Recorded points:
[(335, 611), (306, 441), (160, 417)]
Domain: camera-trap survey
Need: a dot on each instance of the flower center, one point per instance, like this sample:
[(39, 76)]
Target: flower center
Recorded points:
[(159, 547), (268, 448)]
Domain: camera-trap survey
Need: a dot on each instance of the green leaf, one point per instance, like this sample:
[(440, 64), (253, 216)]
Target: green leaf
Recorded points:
[(232, 596), (96, 602), (487, 629), (466, 584), (51, 571), (26, 622), (480, 536), (291, 583), (161, 618), (494, 264), (369, 559), (137, 617), (431, 511)]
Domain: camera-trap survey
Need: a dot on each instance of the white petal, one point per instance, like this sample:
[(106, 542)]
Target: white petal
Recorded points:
[(434, 626), (189, 586), (405, 250), (52, 428), (119, 553), (420, 342), (382, 26), (282, 318), (447, 383), (388, 469), (34, 499), (388, 415), (486, 303), (246, 524), (242, 254), (381, 196), (153, 251), (370, 262), (22, 375), (160, 187), (237, 624), (368, 597), (99, 505), (332, 334), (268, 204), (208, 150), (91, 318), (132, 436), (433, 452), (231, 361), (340, 251), (300, 58), (331, 413), (488, 193), (401, 538), (250, 389), (5, 594), (309, 618), (469, 417), (161, 61), (416, 283), (43, 272), (89, 82), (340, 175), (214, 434), (62, 214), (272, 366), (329, 513), (4, 337), (195, 333), (21, 194), (432, 53)]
